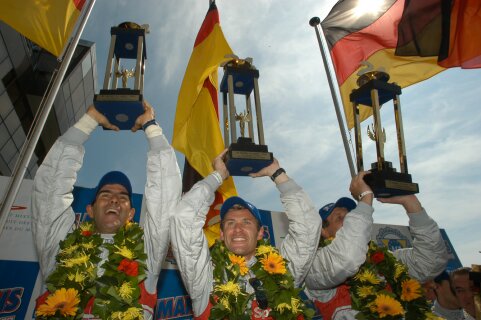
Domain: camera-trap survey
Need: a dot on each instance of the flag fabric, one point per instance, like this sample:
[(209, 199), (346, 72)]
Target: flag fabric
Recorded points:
[(48, 23), (197, 133), (412, 40)]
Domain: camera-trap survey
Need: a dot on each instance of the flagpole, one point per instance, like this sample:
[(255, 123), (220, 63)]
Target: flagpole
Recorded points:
[(315, 23), (41, 116)]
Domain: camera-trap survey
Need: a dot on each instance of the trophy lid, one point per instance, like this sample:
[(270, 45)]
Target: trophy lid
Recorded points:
[(126, 43), (372, 75), (243, 73)]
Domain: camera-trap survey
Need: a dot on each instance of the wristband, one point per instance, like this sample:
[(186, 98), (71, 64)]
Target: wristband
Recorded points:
[(148, 123), (277, 173), (363, 194), (86, 124), (218, 176)]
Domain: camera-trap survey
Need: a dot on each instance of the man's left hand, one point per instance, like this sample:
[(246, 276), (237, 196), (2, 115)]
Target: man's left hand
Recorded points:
[(148, 115), (410, 202), (266, 171)]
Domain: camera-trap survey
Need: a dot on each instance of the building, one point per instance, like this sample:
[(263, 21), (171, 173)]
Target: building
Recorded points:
[(25, 73)]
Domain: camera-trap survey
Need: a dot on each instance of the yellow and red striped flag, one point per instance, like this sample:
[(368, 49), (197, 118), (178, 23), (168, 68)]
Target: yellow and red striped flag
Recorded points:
[(48, 23), (197, 133)]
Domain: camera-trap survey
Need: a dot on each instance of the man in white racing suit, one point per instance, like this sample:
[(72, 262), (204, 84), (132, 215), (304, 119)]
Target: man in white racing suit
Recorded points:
[(240, 232), (53, 217), (351, 231)]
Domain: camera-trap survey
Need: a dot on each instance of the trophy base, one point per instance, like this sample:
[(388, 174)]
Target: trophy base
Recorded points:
[(245, 157), (389, 183), (120, 106)]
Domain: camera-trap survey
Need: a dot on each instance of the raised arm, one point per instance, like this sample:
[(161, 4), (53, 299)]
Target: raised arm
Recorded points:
[(428, 256), (300, 243), (162, 193), (189, 244), (52, 215), (334, 263)]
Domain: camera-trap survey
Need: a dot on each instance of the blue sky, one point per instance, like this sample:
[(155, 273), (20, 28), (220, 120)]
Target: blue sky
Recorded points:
[(441, 115)]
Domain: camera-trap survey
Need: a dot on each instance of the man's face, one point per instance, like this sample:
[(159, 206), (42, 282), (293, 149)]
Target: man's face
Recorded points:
[(462, 287), (240, 233), (335, 220), (445, 296), (112, 208)]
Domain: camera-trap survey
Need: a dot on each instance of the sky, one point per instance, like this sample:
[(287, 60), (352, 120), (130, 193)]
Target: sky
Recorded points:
[(441, 116)]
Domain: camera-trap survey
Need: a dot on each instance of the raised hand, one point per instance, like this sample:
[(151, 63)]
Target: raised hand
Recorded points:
[(148, 115), (358, 186), (219, 164), (101, 119), (410, 202), (266, 171)]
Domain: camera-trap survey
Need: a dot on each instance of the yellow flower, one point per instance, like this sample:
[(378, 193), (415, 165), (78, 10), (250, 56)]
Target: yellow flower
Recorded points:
[(263, 249), (400, 269), (76, 261), (367, 276), (78, 277), (229, 287), (386, 306), (87, 226), (126, 290), (284, 282), (125, 252), (273, 263), (365, 291), (91, 271), (131, 314), (69, 250), (64, 301), (282, 306), (225, 302), (295, 303), (88, 245), (241, 262), (411, 289)]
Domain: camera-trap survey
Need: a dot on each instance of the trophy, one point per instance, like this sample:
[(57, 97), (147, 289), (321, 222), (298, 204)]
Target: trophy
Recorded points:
[(374, 90), (123, 105), (244, 155)]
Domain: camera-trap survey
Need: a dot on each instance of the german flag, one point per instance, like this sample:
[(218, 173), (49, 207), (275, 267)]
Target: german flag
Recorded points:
[(48, 23), (197, 133), (412, 40)]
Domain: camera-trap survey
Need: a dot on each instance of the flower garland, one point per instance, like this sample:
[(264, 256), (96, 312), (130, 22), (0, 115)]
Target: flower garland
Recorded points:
[(382, 288), (74, 282), (230, 299)]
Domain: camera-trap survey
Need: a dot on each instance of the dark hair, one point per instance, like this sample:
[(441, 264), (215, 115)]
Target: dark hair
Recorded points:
[(463, 271), (460, 272)]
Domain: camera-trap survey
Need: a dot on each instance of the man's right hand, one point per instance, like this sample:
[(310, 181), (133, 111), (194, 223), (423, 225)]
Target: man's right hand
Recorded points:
[(358, 186), (101, 119), (219, 164)]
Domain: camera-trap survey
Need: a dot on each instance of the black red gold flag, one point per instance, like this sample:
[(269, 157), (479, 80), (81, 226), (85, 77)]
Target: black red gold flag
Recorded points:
[(412, 40)]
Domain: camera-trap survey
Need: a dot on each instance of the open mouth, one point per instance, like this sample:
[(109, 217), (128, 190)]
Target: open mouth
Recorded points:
[(238, 239), (112, 212)]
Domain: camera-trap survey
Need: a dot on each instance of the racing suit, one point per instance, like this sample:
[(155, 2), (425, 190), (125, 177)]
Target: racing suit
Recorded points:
[(53, 216), (192, 252), (426, 259)]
